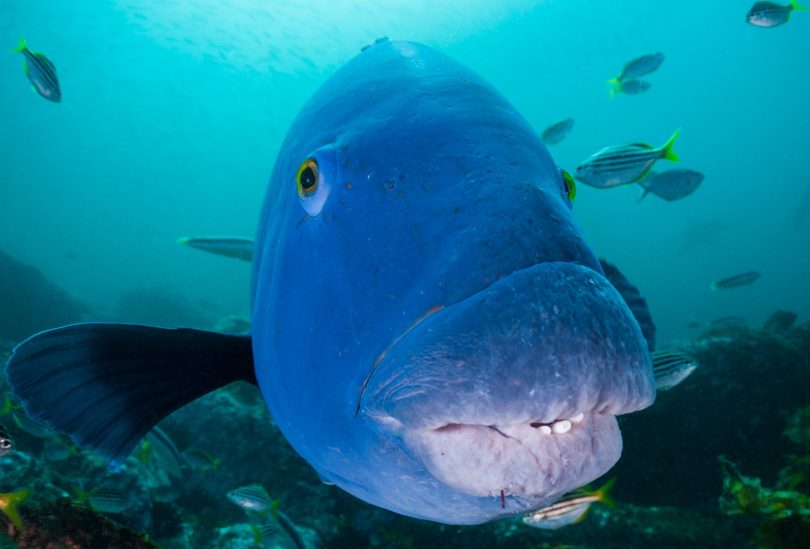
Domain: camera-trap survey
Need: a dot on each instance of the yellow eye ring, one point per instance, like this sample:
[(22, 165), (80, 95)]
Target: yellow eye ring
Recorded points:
[(306, 180), (570, 185)]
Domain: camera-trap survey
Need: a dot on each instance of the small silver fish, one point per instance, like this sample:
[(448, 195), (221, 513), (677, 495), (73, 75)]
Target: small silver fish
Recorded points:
[(631, 86), (729, 322), (6, 442), (164, 493), (671, 368), (228, 246), (200, 459), (165, 451), (40, 72), (571, 509), (672, 184), (32, 426), (557, 131), (251, 498), (743, 279), (769, 14), (623, 164), (56, 450), (110, 500), (641, 66)]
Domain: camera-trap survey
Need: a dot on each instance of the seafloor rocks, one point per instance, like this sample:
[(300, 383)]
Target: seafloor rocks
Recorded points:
[(748, 391), (29, 302), (737, 403)]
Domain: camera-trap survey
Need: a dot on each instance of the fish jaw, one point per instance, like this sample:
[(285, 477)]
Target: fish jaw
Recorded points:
[(517, 387)]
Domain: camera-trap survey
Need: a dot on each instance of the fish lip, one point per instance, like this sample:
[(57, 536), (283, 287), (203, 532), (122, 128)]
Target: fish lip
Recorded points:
[(387, 399), (391, 346), (532, 467)]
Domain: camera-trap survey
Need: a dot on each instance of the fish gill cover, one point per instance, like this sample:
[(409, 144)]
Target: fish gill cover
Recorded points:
[(171, 117)]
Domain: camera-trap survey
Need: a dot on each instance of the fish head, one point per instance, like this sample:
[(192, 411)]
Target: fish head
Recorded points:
[(431, 331)]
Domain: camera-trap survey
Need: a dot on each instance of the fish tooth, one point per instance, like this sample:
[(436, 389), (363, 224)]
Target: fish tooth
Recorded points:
[(545, 429), (561, 427), (577, 418)]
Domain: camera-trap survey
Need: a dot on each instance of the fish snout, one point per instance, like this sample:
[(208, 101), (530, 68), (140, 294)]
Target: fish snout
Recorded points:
[(517, 384)]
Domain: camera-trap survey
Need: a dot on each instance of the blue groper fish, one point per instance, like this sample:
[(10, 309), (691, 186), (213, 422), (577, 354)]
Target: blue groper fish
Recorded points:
[(430, 330)]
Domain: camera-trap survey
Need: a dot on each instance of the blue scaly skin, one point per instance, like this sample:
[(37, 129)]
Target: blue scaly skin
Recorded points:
[(425, 309)]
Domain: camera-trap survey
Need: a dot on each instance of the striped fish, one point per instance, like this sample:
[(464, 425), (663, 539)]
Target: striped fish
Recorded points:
[(229, 246), (41, 72), (32, 426), (165, 451), (642, 66), (769, 14), (557, 132), (6, 442), (251, 498), (670, 368), (110, 500), (623, 164), (571, 509)]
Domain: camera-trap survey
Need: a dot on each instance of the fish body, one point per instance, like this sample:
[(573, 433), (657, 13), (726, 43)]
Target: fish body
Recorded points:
[(200, 459), (6, 442), (742, 279), (628, 86), (110, 500), (165, 451), (641, 66), (41, 72), (623, 164), (557, 131), (770, 14), (32, 426), (416, 260), (671, 185), (228, 246), (634, 86), (571, 509), (728, 322), (671, 368), (251, 498), (56, 450), (412, 406)]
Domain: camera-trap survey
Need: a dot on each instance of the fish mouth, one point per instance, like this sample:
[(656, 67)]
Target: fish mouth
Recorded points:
[(527, 460), (515, 389)]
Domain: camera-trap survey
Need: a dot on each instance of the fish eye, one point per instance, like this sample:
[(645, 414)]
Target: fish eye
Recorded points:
[(5, 443), (306, 179), (569, 185), (315, 178)]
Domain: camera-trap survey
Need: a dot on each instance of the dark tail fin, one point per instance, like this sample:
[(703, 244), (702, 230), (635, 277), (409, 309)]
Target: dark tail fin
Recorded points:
[(106, 385)]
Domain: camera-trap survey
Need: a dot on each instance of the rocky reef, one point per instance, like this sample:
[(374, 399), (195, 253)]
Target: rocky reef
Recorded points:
[(31, 302), (747, 401)]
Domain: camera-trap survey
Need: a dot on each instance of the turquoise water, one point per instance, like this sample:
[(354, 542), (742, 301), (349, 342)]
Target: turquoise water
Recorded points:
[(172, 114)]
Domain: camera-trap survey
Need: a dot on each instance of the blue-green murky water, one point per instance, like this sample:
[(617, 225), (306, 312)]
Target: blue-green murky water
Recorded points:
[(173, 111)]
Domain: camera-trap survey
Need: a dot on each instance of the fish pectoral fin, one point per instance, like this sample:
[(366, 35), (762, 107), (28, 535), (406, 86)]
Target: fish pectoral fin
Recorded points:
[(107, 385), (634, 299)]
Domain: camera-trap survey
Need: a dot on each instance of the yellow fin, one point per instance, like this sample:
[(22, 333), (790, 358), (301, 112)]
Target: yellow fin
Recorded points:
[(602, 494), (667, 151), (8, 504)]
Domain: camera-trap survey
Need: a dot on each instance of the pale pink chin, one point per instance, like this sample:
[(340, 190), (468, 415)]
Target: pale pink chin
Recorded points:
[(520, 459)]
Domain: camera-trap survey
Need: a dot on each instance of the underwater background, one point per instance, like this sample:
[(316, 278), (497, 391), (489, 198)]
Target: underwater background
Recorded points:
[(171, 115)]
